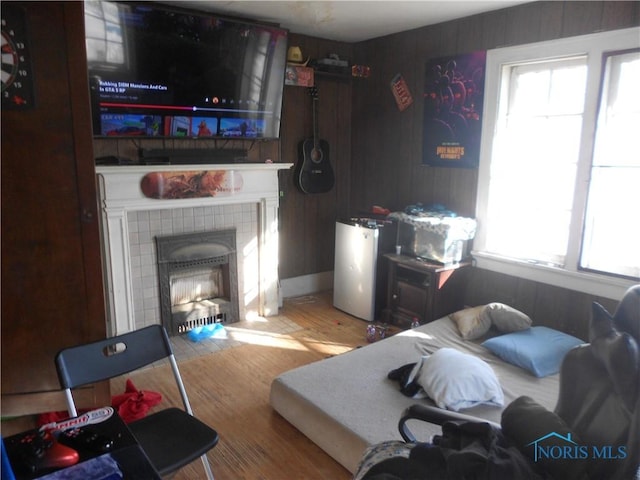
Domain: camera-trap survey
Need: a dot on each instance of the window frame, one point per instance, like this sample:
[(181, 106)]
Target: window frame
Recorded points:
[(570, 276)]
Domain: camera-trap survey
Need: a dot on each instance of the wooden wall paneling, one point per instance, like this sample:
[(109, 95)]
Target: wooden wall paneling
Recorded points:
[(328, 129), (307, 226), (360, 124), (261, 151), (620, 14), (494, 29), (470, 36), (292, 206), (379, 175), (551, 15), (82, 150), (342, 163), (397, 135), (463, 188), (421, 184), (552, 309), (559, 308), (388, 143), (320, 208), (310, 244), (52, 294), (295, 126), (35, 239), (406, 150), (366, 114), (406, 140), (485, 286), (580, 16), (415, 178), (523, 24), (257, 151), (442, 185), (369, 159)]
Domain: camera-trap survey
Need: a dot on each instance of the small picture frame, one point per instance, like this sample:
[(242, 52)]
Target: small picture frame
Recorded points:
[(299, 76)]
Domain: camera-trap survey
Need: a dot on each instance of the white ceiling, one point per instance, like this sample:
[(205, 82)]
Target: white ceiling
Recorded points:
[(348, 20)]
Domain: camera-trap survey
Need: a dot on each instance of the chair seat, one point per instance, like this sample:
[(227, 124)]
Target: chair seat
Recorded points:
[(172, 438)]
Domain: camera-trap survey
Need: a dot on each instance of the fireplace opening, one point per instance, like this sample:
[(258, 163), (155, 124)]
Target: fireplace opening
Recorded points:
[(198, 279)]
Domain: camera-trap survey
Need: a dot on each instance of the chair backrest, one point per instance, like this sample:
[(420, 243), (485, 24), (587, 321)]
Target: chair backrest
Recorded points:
[(104, 359), (599, 395)]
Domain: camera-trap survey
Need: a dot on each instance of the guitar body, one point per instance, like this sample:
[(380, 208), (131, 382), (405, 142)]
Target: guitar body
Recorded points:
[(314, 173)]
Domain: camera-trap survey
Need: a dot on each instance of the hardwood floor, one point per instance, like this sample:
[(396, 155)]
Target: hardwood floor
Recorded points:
[(229, 390)]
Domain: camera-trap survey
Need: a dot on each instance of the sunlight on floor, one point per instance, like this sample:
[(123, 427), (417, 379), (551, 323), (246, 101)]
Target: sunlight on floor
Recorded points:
[(277, 332), (255, 337), (285, 341)]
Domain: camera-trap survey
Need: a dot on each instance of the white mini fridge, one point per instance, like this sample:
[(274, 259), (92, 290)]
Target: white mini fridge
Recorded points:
[(359, 274)]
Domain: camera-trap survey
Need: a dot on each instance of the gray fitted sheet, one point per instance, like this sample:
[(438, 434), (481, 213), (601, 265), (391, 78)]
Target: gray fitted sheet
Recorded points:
[(346, 403)]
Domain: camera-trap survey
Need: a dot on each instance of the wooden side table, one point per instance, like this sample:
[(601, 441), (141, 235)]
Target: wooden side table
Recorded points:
[(423, 290)]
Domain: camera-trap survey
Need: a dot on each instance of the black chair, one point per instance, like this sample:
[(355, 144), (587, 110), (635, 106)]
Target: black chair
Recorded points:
[(171, 438)]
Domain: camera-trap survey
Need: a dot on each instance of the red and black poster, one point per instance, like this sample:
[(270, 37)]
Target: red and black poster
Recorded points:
[(453, 96), (401, 92)]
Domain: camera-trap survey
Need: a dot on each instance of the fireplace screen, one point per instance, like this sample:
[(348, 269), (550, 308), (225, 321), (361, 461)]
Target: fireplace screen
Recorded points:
[(198, 280), (195, 284)]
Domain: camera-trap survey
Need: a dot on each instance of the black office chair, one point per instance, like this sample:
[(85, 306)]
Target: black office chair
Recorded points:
[(171, 438)]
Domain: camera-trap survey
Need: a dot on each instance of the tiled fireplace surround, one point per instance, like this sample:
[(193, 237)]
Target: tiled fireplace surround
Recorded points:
[(131, 222)]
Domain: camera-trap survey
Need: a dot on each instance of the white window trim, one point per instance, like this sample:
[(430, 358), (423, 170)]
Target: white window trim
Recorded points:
[(568, 277)]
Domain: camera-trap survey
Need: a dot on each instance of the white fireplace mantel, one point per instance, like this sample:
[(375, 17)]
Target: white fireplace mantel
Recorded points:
[(121, 193)]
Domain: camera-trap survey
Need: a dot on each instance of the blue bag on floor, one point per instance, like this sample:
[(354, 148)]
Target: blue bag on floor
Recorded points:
[(215, 330)]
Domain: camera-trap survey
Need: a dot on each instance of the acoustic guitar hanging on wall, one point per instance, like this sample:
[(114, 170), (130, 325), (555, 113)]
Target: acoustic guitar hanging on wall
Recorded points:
[(313, 172)]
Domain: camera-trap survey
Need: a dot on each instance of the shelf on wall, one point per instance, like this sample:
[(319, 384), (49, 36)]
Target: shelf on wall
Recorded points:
[(331, 75)]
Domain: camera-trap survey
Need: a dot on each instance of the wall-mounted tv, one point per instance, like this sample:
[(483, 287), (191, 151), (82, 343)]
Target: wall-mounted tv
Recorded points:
[(160, 71)]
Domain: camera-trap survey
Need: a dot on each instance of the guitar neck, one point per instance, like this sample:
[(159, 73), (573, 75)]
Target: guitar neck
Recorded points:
[(315, 122)]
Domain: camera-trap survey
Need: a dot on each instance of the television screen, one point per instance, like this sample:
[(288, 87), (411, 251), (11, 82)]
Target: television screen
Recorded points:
[(158, 71)]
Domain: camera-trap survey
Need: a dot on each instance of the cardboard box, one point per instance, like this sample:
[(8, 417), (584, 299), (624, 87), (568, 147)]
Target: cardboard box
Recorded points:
[(299, 76)]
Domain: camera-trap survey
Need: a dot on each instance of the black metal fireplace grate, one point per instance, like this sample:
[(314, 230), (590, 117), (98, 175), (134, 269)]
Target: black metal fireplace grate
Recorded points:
[(203, 267)]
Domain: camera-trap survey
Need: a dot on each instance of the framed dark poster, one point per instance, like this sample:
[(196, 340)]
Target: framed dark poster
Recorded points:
[(452, 123)]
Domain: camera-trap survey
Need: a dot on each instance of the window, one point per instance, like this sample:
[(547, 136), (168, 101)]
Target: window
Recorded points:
[(559, 178), (104, 36), (611, 241)]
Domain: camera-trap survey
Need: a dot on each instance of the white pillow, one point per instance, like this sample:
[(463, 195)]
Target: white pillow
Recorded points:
[(456, 380)]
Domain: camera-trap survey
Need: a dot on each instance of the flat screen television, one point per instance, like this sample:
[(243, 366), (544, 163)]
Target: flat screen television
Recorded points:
[(160, 71)]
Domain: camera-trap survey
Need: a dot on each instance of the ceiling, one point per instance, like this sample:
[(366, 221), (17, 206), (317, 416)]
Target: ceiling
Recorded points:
[(348, 20)]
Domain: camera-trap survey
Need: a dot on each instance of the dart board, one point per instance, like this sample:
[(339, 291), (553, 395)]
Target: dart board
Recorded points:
[(17, 80)]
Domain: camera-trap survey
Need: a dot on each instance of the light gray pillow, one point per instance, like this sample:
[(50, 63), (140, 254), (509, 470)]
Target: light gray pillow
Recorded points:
[(505, 318), (455, 380)]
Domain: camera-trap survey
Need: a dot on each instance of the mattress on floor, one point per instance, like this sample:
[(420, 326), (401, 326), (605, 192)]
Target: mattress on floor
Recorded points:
[(346, 403)]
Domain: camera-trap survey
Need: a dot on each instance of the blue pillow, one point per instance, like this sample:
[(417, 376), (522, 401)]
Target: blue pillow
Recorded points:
[(540, 350)]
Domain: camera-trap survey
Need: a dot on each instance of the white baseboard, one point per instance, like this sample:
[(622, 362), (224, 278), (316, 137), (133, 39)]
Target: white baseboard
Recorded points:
[(306, 284)]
